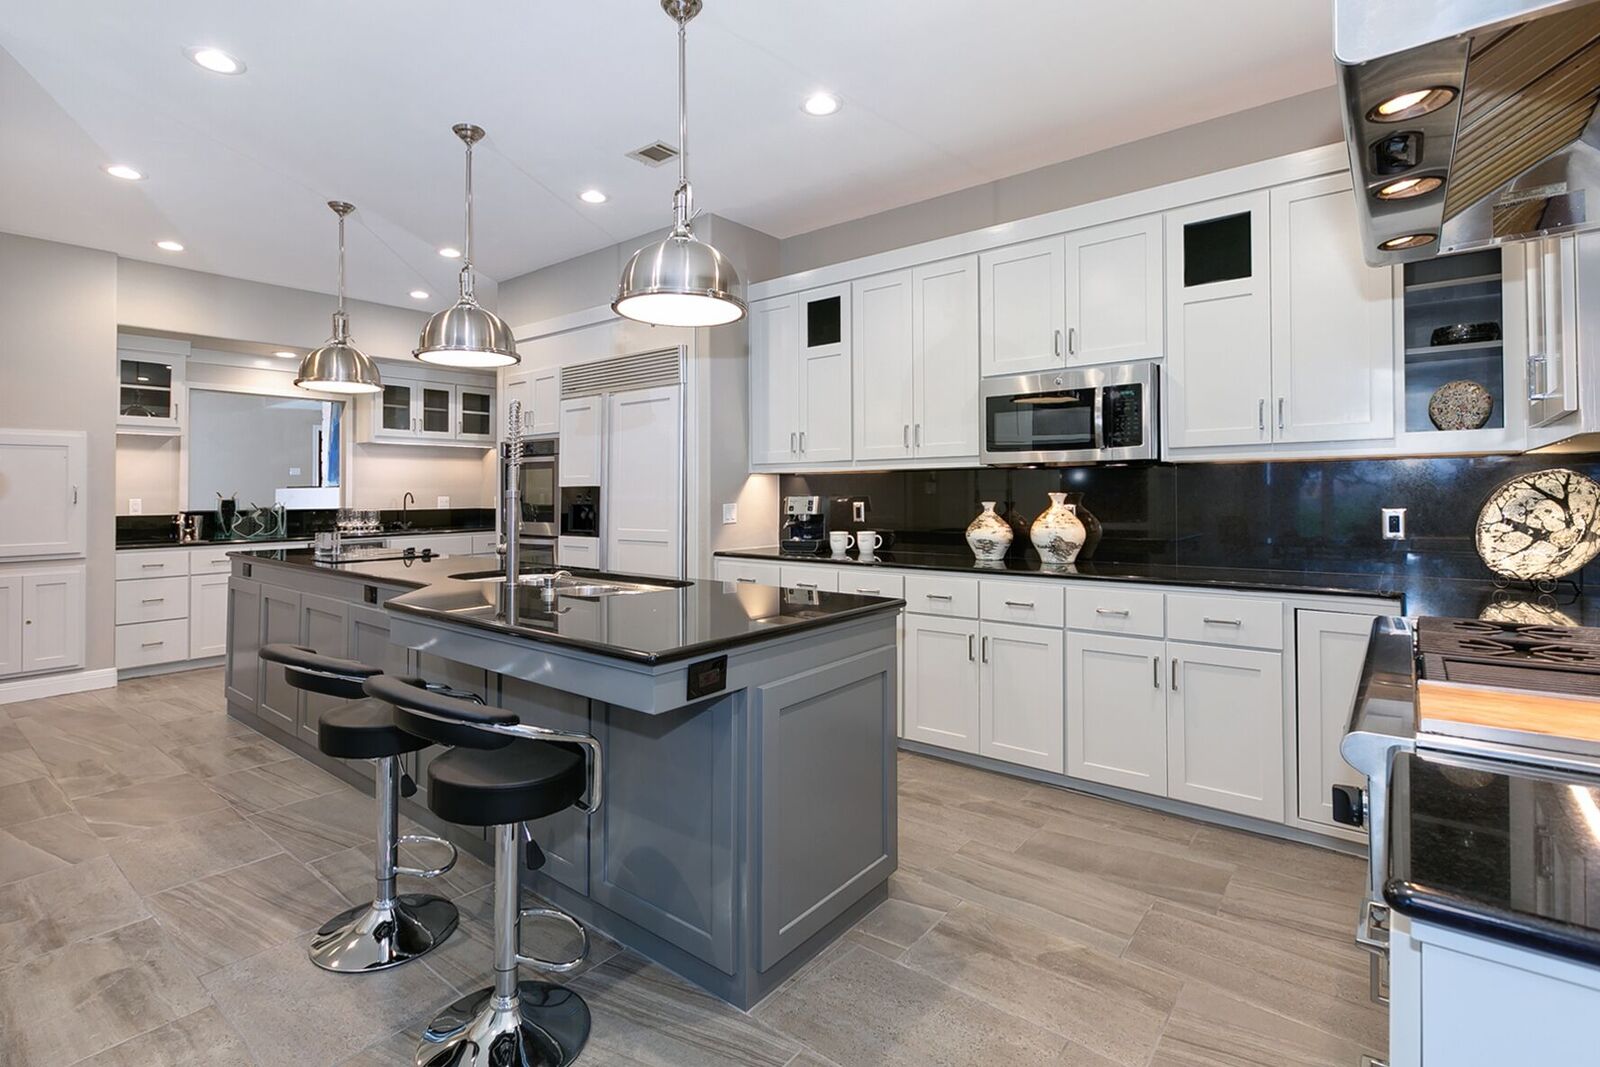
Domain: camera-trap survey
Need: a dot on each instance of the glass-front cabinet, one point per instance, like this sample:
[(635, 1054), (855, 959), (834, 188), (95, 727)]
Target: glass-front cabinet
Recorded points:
[(409, 410), (475, 420), (395, 406), (150, 377)]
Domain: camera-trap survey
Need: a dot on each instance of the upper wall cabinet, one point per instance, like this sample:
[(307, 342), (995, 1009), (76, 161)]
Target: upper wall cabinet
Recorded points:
[(43, 494), (539, 389), (800, 379), (150, 375), (1021, 308), (412, 411), (1550, 273)]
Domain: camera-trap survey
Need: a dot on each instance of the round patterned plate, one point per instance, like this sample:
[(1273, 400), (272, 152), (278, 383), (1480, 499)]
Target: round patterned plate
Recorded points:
[(1460, 405), (1540, 525)]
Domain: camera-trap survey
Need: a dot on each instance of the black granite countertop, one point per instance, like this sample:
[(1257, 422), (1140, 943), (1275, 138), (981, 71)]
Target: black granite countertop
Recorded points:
[(170, 540), (1419, 594), (1502, 851), (679, 621)]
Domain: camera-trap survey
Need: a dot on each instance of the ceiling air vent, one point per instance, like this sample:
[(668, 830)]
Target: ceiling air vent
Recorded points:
[(653, 155)]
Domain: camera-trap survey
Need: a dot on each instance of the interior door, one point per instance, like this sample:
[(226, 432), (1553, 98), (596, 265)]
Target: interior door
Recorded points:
[(43, 493), (882, 353), (1225, 729), (1023, 695), (52, 620), (944, 304), (775, 380), (1117, 711), (643, 507), (941, 678), (825, 386), (1115, 299), (1021, 311)]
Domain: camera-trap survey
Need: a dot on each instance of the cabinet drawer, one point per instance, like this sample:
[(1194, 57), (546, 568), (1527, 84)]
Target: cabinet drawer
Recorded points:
[(1223, 620), (822, 578), (870, 582), (214, 560), (1036, 603), (152, 599), (750, 572), (1107, 609), (938, 595), (141, 644), (156, 563)]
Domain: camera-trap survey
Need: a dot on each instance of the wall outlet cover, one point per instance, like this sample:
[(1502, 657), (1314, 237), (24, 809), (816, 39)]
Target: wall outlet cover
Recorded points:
[(730, 514), (444, 502), (135, 506), (294, 472), (1394, 524), (858, 511)]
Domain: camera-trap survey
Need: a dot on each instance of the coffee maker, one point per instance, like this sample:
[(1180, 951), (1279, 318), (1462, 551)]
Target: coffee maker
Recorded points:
[(805, 525)]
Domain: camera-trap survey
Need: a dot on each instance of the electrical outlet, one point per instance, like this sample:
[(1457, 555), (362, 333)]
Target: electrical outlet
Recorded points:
[(730, 514), (1394, 524), (294, 472), (858, 511), (444, 502), (135, 506)]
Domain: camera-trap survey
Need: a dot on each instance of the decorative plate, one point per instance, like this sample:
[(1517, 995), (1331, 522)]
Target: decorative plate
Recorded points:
[(1460, 405), (1541, 525)]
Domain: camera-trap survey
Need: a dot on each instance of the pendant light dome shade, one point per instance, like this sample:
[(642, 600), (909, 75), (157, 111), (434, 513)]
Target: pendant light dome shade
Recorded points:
[(681, 280), (467, 334), (339, 366)]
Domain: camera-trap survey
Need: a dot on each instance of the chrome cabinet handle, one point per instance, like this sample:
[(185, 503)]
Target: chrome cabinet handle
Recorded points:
[(938, 596), (1222, 622), (805, 585), (916, 434), (802, 442), (1174, 674), (151, 566), (1057, 347), (905, 435), (986, 648), (1155, 671), (970, 656), (1072, 340), (1280, 413), (1019, 604), (750, 580), (1119, 612), (74, 495), (153, 600), (152, 644), (1261, 414), (793, 451), (869, 592)]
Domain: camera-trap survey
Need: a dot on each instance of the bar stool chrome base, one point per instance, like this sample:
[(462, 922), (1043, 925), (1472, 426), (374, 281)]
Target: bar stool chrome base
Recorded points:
[(544, 1025), (375, 936)]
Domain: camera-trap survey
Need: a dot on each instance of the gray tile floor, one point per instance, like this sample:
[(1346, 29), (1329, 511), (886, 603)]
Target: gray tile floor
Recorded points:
[(161, 868)]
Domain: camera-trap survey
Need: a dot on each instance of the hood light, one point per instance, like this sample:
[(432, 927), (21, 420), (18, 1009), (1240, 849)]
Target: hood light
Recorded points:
[(1410, 105), (1410, 240), (1406, 188)]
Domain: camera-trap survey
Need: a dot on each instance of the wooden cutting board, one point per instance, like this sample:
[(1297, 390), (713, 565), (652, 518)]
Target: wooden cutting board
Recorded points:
[(1446, 704)]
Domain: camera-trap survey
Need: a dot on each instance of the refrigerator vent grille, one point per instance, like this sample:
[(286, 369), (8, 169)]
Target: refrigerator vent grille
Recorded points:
[(621, 374)]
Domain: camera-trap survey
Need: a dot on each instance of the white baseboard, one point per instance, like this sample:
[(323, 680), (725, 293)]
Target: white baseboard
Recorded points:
[(55, 685), (171, 668)]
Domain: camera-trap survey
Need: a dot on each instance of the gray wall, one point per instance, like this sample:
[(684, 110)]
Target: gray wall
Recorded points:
[(58, 357)]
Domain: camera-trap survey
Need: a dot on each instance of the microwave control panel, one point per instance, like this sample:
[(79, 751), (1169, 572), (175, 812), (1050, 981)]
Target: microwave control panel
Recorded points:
[(1122, 415)]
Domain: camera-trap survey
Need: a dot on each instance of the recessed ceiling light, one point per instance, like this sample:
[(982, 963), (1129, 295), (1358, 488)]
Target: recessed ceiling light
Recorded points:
[(592, 196), (287, 355), (123, 171), (215, 60), (450, 253), (419, 294), (170, 246), (820, 103)]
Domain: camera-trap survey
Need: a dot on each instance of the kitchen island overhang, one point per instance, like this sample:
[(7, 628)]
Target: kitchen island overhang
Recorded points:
[(749, 731)]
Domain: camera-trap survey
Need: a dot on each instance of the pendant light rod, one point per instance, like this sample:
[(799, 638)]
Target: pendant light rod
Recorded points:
[(683, 197), (470, 135), (341, 320)]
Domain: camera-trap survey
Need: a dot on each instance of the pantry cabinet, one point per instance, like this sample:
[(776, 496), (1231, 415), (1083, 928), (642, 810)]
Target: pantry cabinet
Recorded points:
[(800, 379), (1225, 729), (1116, 711)]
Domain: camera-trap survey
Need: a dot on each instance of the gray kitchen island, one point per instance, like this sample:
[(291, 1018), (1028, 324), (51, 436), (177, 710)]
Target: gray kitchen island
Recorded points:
[(749, 736)]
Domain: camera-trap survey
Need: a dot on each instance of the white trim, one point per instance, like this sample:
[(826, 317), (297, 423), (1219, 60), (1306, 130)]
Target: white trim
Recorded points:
[(572, 320), (1310, 163), (55, 685)]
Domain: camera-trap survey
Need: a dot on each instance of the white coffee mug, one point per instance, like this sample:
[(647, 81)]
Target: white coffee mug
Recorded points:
[(869, 541), (840, 542)]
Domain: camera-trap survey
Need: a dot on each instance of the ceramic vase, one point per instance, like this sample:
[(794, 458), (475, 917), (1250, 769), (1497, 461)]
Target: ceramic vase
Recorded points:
[(1092, 530), (989, 536), (1057, 533)]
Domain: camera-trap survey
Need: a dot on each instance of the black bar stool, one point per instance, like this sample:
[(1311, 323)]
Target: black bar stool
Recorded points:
[(391, 928), (503, 773)]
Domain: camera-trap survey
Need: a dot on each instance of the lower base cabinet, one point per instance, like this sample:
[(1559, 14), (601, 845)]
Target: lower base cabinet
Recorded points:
[(279, 702), (1330, 647), (941, 682), (324, 626), (1225, 729), (41, 620), (208, 615), (1117, 711), (242, 668)]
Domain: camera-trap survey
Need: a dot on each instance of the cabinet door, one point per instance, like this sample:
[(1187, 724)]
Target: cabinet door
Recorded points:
[(517, 387), (748, 571), (368, 640), (544, 417), (208, 615), (1117, 711), (243, 681), (582, 552), (825, 387), (1020, 308), (941, 679), (279, 703), (1225, 729), (1115, 302), (43, 493), (882, 354), (1551, 288), (1332, 319), (644, 483), (10, 624), (1219, 335), (792, 576), (1330, 647), (52, 620), (775, 380), (475, 414), (436, 408), (324, 627), (944, 305), (1023, 711), (582, 441), (395, 413), (150, 389)]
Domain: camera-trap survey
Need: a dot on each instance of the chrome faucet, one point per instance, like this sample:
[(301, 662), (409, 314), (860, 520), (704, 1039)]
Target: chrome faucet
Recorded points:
[(511, 513)]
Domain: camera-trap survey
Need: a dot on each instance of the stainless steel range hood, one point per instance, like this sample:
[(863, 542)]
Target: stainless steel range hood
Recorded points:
[(1469, 123)]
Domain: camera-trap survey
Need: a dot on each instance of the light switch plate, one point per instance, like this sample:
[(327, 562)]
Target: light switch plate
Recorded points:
[(444, 502), (1394, 524), (858, 511), (730, 514), (135, 506)]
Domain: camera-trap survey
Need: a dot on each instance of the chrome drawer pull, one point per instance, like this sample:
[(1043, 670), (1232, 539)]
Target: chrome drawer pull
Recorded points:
[(1155, 672), (152, 644), (151, 566), (1119, 612), (750, 580), (805, 585), (1222, 622), (153, 600), (870, 592), (938, 596), (1019, 604)]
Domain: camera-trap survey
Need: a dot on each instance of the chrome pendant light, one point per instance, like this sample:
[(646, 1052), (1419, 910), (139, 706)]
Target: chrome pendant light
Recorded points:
[(466, 334), (680, 281), (339, 366)]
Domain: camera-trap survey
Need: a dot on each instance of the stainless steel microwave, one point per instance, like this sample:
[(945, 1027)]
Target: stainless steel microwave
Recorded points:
[(1089, 415)]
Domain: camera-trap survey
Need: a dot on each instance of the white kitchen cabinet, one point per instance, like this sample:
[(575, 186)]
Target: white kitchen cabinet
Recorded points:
[(10, 624), (43, 494), (942, 682), (52, 619), (748, 571), (884, 356), (485, 544), (825, 386), (582, 441), (475, 414), (944, 334), (208, 615), (1550, 280), (417, 411), (1021, 695), (579, 552), (1116, 711), (152, 599), (1332, 320), (150, 378), (1115, 305), (644, 482), (775, 381), (539, 389), (1225, 729), (1219, 312), (1022, 324), (1330, 647), (801, 576)]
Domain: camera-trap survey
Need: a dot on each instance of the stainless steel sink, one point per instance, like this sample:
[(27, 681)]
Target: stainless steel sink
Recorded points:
[(567, 585)]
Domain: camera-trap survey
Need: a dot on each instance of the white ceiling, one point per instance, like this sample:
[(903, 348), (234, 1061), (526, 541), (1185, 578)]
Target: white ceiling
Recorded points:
[(355, 100)]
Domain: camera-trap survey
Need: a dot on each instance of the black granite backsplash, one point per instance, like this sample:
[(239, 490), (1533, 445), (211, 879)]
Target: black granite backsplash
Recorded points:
[(1309, 515), (302, 524)]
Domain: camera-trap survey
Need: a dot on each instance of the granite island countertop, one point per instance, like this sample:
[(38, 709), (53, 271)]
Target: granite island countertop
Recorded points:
[(680, 620), (127, 542)]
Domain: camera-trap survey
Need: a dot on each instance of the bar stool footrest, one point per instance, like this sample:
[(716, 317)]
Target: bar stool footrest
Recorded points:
[(427, 872), (554, 966)]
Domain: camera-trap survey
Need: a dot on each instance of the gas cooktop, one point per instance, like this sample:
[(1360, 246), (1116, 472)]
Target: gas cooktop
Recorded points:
[(1529, 656)]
